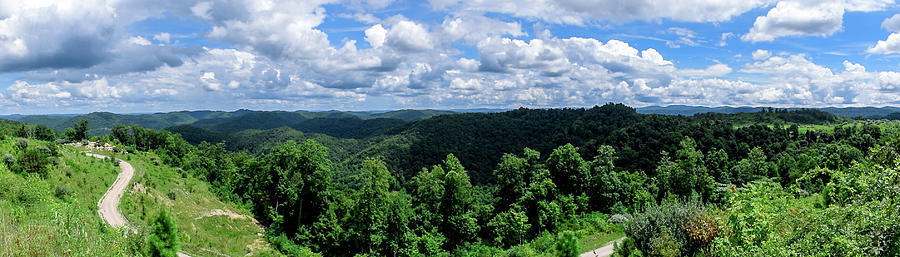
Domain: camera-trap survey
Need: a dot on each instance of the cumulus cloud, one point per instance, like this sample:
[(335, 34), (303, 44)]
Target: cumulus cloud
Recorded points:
[(277, 29), (760, 54), (409, 36), (376, 35), (892, 23), (54, 35), (583, 12), (474, 28), (791, 18), (891, 45), (163, 37)]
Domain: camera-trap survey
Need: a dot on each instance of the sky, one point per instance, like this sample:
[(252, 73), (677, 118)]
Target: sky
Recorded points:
[(127, 56)]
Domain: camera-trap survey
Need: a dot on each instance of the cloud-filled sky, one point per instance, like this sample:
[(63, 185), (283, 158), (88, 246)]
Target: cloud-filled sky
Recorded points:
[(75, 56)]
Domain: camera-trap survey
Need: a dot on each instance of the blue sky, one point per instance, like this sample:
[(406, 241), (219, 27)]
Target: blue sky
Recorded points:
[(70, 56)]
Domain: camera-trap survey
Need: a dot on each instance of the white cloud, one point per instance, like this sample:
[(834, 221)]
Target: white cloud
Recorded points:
[(163, 37), (138, 40), (761, 54), (277, 29), (409, 36), (474, 28), (891, 45), (583, 12), (376, 35), (59, 34), (715, 70), (792, 18), (892, 24)]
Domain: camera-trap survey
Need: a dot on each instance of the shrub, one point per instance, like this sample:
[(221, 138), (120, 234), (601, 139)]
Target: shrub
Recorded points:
[(289, 248), (171, 195), (567, 244), (626, 248), (43, 149), (669, 219), (34, 161), (521, 251), (619, 218), (62, 191), (665, 244), (22, 144), (9, 160), (163, 240)]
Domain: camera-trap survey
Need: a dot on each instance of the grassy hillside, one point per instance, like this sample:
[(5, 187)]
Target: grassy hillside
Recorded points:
[(56, 214), (209, 227)]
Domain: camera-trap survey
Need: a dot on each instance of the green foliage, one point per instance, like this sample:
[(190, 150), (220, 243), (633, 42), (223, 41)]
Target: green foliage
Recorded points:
[(9, 160), (567, 244), (79, 130), (568, 168), (626, 248), (34, 161), (665, 226), (163, 239), (509, 227), (687, 175)]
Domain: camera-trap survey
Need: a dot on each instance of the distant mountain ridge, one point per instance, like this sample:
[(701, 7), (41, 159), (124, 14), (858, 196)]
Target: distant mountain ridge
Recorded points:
[(850, 112), (100, 123)]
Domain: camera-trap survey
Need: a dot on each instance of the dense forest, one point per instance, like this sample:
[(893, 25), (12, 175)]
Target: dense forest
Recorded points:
[(528, 182)]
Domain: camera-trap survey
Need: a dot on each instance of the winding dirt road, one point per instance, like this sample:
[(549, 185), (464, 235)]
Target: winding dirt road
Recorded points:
[(108, 206), (604, 251)]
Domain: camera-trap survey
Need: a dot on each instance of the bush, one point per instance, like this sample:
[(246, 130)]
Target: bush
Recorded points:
[(34, 161), (22, 144), (521, 251), (567, 244), (163, 240), (44, 149), (171, 195), (289, 248), (62, 191), (619, 218), (668, 220), (626, 248), (9, 160)]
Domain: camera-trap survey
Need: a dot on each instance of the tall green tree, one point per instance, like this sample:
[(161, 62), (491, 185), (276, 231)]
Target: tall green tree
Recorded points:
[(568, 170), (81, 128), (163, 240), (687, 174), (373, 205)]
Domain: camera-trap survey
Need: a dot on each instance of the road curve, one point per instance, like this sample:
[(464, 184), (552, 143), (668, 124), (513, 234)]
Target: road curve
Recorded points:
[(108, 206), (604, 251)]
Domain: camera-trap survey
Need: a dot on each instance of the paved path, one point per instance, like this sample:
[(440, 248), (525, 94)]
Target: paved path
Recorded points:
[(604, 251), (109, 203)]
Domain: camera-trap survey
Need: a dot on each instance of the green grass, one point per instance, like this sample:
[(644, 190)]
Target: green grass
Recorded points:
[(214, 235), (594, 241), (34, 221)]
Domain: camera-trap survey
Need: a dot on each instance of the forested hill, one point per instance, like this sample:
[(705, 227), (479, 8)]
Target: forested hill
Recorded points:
[(851, 112), (480, 139), (543, 182), (101, 123)]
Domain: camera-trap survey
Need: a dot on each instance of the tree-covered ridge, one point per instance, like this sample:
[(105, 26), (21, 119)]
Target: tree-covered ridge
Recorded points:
[(682, 186)]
